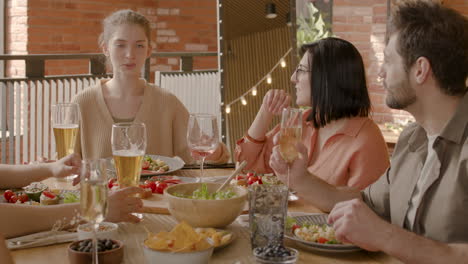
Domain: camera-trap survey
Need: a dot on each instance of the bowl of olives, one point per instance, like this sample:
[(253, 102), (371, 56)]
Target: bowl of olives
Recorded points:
[(109, 251)]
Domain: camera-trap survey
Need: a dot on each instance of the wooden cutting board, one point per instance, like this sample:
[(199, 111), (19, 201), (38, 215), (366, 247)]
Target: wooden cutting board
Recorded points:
[(156, 204)]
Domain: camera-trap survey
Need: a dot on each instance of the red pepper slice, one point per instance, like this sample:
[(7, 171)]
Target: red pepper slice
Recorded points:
[(49, 194), (174, 181)]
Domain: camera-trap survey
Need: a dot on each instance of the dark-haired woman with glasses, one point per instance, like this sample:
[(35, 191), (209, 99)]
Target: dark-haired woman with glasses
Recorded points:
[(345, 147)]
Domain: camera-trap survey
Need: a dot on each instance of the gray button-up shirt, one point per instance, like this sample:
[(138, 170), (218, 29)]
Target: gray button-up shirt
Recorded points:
[(443, 212)]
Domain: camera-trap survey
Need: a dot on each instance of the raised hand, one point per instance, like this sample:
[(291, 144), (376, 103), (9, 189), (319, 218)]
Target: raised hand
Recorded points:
[(274, 101)]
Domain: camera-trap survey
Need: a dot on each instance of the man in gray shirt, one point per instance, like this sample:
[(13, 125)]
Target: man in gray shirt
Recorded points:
[(418, 210)]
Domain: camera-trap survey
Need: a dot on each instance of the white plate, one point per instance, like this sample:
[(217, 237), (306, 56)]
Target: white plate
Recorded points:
[(174, 164), (318, 219), (61, 196)]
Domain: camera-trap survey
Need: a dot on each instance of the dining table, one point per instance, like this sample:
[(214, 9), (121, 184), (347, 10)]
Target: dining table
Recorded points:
[(237, 252)]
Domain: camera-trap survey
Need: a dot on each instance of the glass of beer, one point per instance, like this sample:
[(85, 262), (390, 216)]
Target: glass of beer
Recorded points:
[(65, 124), (93, 200), (290, 135), (128, 148)]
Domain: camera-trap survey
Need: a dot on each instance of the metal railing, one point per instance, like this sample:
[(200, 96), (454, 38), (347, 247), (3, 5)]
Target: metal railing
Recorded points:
[(25, 102)]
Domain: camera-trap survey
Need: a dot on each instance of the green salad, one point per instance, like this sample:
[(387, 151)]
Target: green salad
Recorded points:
[(70, 198), (203, 194)]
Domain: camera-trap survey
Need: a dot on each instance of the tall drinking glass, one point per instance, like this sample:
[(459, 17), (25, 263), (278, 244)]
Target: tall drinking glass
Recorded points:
[(128, 148), (202, 137), (268, 206), (290, 135), (65, 123), (93, 200)]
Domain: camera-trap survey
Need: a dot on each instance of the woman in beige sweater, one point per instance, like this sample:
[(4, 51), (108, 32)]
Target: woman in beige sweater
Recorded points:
[(128, 98)]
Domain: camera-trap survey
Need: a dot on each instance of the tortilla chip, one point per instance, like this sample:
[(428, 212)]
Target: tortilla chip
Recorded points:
[(182, 238)]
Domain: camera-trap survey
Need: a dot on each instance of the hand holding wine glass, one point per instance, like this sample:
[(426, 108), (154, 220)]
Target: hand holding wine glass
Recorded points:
[(93, 200), (202, 137)]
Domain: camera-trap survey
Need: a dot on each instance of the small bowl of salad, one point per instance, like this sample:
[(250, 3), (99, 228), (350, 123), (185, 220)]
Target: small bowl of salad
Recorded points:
[(106, 230), (201, 206)]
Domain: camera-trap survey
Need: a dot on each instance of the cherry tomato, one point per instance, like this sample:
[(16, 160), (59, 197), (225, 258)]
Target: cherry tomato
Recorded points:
[(250, 174), (8, 194), (49, 194), (147, 182), (111, 183), (260, 180), (152, 185), (145, 165), (13, 199), (160, 187), (239, 177), (322, 240), (252, 180), (294, 227), (23, 198)]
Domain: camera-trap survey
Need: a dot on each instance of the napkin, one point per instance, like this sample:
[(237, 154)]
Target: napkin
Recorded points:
[(41, 239)]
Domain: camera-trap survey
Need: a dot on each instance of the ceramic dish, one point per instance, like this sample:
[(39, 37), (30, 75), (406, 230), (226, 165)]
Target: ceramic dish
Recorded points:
[(318, 219), (174, 164)]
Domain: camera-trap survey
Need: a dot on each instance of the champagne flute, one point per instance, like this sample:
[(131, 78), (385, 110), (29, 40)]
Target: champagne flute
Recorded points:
[(65, 123), (93, 200), (202, 137), (128, 148), (290, 135)]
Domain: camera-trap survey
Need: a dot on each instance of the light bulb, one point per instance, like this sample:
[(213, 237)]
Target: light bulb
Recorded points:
[(228, 109), (269, 80), (243, 101), (283, 63), (254, 91)]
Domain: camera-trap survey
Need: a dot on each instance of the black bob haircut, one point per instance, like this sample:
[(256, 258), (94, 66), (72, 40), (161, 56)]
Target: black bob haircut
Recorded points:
[(338, 81)]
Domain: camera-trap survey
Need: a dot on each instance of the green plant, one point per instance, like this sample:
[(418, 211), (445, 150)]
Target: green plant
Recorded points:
[(313, 27)]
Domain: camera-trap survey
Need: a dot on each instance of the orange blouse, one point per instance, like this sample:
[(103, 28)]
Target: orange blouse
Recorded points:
[(356, 155)]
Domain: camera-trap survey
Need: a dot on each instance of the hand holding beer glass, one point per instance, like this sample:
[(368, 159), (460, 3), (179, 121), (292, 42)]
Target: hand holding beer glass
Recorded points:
[(65, 123), (290, 135), (128, 148)]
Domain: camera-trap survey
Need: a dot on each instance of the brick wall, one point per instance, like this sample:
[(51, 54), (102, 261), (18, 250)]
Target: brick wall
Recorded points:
[(16, 34), (364, 23), (186, 26), (66, 26)]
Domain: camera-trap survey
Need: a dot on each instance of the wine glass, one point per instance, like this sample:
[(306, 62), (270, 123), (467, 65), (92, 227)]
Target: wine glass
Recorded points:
[(93, 200), (65, 123), (202, 137), (290, 135), (128, 148)]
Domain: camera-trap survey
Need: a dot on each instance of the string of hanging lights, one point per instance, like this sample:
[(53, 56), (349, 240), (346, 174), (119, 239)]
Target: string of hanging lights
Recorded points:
[(253, 90)]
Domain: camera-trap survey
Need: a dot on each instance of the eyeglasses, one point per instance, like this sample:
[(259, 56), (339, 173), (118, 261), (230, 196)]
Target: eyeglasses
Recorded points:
[(300, 69)]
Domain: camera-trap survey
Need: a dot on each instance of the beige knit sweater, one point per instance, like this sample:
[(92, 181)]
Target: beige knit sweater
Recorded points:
[(164, 115)]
